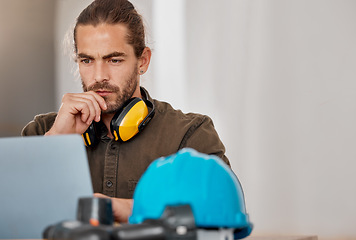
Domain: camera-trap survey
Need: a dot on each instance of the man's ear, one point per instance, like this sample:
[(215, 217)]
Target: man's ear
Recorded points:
[(144, 61)]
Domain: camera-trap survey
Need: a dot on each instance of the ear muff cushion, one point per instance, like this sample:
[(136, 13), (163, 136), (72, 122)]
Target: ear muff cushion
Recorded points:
[(125, 125)]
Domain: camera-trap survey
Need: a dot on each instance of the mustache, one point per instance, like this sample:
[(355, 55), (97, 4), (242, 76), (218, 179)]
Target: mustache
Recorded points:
[(101, 86)]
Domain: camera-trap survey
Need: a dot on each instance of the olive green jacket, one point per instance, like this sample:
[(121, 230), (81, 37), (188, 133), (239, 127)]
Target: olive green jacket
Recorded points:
[(116, 167)]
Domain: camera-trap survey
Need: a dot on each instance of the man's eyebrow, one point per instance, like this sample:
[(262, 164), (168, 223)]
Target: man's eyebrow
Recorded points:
[(114, 54), (83, 55)]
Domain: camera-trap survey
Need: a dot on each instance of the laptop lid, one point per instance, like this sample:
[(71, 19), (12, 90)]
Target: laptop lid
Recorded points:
[(41, 180)]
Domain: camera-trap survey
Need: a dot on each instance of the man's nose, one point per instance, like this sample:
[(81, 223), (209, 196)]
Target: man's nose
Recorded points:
[(100, 72)]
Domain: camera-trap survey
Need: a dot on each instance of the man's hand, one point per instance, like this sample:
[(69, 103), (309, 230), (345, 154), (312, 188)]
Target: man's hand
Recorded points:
[(122, 208), (77, 112)]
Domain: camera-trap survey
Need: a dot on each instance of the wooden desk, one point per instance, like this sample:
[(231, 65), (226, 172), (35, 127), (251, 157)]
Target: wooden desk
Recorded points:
[(252, 238), (282, 238)]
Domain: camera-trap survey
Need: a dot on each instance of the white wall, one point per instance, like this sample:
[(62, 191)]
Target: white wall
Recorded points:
[(26, 63), (278, 79), (67, 76)]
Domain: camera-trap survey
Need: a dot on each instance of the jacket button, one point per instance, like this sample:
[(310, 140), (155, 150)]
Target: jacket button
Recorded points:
[(109, 183)]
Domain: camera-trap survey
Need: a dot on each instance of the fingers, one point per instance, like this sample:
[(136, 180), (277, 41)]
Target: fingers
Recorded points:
[(99, 100), (77, 112), (89, 105), (122, 208), (99, 195)]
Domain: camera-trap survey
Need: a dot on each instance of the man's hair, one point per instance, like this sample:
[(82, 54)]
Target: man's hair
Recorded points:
[(114, 12)]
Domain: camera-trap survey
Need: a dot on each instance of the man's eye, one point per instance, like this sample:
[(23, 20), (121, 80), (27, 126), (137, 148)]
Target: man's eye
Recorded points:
[(115, 60), (86, 61)]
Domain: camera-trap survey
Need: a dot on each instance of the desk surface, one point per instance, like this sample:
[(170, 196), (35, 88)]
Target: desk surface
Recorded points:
[(282, 238), (261, 238)]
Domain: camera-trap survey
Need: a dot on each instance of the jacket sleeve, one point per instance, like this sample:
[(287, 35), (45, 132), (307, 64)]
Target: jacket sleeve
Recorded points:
[(203, 137), (39, 125)]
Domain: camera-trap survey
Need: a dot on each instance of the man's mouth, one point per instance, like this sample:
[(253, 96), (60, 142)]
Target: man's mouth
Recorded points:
[(103, 93)]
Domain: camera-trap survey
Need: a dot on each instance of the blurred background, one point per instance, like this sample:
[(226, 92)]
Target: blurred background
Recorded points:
[(278, 78)]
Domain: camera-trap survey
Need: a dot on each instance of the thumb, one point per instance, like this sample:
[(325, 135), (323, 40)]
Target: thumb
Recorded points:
[(99, 195)]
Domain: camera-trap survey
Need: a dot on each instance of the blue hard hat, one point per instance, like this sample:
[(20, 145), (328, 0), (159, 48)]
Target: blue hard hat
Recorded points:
[(189, 177)]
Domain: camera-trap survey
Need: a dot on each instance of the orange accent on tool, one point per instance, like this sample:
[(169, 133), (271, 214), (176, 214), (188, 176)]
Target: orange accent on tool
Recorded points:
[(94, 222)]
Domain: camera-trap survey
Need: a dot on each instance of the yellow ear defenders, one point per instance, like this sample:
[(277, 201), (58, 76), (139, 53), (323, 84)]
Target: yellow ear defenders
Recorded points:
[(130, 120), (126, 123)]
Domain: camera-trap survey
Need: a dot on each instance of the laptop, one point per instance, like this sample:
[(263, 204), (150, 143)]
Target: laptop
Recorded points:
[(41, 180)]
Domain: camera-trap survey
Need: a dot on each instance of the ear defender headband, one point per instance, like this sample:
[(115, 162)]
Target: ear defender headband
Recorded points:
[(131, 119)]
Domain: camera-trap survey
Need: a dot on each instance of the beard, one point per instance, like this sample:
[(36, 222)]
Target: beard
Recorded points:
[(118, 96)]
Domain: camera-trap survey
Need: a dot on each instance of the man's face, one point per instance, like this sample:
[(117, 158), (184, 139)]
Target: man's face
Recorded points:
[(107, 63)]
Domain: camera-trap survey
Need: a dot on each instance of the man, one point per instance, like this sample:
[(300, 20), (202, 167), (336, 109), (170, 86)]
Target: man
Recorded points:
[(109, 43)]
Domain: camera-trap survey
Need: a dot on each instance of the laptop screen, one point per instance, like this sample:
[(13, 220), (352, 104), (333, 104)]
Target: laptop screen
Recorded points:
[(41, 180)]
